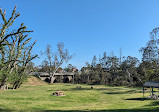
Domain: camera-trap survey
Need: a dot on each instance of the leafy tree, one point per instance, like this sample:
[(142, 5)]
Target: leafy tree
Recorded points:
[(15, 51), (69, 68), (104, 60), (151, 51), (94, 61)]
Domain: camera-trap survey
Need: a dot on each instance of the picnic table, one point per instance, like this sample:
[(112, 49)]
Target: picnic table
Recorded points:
[(59, 93)]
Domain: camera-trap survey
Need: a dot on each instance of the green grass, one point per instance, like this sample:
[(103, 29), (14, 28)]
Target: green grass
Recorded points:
[(101, 98)]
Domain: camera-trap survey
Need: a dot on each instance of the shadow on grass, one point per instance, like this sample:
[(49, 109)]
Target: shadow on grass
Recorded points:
[(70, 89), (109, 89), (117, 90), (155, 103), (5, 110), (20, 99), (139, 99), (121, 92), (89, 88), (68, 84), (100, 89), (113, 110)]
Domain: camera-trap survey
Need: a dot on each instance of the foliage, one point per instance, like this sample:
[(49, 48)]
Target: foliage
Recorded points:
[(69, 68)]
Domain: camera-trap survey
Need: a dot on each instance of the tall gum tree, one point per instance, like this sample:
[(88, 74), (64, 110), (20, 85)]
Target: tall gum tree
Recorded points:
[(15, 49)]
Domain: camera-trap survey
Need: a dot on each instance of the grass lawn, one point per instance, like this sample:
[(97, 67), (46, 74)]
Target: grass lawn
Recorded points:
[(101, 98)]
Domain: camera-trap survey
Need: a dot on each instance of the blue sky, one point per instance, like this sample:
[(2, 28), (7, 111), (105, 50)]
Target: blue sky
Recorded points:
[(88, 27)]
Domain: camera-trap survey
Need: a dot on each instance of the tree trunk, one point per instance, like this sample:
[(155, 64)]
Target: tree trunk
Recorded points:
[(3, 83), (52, 79), (16, 85), (52, 75)]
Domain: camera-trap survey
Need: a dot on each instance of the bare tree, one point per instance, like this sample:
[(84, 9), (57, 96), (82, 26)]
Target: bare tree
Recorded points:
[(56, 59)]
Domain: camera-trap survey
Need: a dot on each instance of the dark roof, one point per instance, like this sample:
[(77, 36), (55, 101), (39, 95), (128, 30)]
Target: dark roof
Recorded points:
[(151, 84)]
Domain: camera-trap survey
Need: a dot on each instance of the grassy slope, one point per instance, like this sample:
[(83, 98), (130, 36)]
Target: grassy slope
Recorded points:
[(101, 98), (34, 81)]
